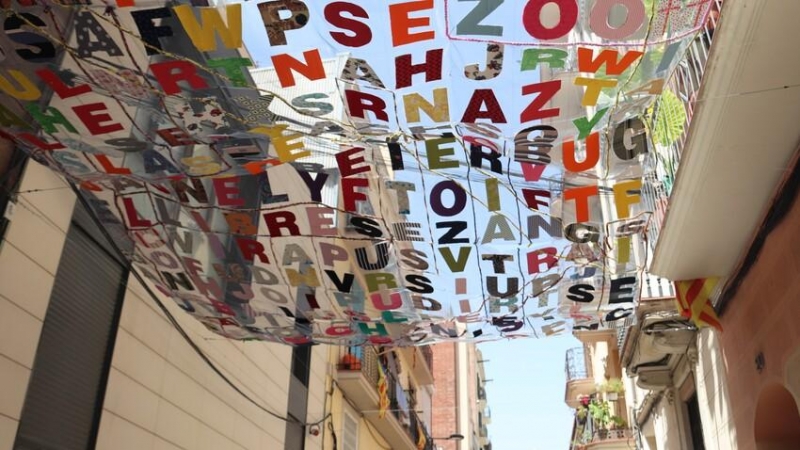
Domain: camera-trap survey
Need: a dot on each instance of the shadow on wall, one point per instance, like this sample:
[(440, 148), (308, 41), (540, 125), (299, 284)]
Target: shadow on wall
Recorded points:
[(777, 421)]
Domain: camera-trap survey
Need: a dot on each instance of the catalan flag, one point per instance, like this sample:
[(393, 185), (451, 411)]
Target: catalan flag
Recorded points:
[(694, 301), (383, 392), (422, 441)]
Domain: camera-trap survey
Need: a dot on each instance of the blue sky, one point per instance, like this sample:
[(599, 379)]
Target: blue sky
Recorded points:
[(526, 395)]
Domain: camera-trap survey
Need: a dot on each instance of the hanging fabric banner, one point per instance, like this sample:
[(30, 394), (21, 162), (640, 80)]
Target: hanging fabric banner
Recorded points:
[(351, 172)]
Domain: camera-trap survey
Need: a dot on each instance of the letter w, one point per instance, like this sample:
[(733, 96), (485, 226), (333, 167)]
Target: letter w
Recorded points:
[(204, 33), (587, 62)]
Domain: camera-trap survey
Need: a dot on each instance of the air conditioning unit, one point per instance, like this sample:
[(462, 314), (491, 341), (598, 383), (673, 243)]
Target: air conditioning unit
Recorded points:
[(654, 379)]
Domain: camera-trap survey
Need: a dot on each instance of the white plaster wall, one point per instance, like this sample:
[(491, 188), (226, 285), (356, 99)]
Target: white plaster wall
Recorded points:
[(28, 261), (162, 395), (719, 430), (668, 425)]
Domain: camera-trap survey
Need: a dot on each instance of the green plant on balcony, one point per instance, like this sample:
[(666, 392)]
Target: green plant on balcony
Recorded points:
[(601, 416), (613, 388), (581, 413), (618, 423)]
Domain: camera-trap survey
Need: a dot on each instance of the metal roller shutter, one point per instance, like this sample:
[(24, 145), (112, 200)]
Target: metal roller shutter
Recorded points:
[(64, 399)]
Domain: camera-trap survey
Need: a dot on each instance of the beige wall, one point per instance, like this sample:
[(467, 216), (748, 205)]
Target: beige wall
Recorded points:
[(28, 262), (160, 394), (711, 378), (667, 427)]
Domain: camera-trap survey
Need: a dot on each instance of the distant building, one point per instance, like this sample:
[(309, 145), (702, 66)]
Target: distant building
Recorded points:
[(460, 404)]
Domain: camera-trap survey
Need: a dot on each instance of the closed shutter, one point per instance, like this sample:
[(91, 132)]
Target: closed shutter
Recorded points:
[(349, 432), (67, 385)]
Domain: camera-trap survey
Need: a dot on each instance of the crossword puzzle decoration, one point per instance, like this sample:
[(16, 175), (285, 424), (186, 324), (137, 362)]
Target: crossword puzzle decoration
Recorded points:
[(358, 172)]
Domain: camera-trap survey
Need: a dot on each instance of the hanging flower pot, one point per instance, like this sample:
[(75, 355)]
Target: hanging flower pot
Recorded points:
[(612, 396)]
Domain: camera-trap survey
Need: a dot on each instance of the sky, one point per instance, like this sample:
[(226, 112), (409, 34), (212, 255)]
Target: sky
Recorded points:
[(526, 394)]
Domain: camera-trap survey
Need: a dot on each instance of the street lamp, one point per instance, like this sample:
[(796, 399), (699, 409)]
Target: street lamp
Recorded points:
[(452, 437)]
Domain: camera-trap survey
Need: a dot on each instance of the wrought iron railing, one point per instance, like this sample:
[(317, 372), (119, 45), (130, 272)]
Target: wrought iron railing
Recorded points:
[(588, 431), (680, 92), (575, 364)]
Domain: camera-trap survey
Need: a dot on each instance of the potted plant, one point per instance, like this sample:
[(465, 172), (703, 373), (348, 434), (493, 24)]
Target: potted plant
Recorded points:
[(618, 423), (613, 388), (581, 414), (601, 416)]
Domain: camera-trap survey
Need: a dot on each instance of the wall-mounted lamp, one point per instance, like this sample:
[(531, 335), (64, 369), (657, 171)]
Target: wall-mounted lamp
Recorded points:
[(452, 437)]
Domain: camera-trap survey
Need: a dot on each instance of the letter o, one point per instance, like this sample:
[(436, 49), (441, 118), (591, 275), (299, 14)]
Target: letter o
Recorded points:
[(634, 19), (532, 19), (164, 259), (459, 202)]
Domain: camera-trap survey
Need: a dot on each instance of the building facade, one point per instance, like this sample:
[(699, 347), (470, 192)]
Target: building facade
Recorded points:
[(734, 388), (461, 412)]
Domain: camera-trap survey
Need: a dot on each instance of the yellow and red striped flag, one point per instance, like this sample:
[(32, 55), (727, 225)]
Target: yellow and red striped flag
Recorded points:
[(694, 301), (422, 441), (383, 392)]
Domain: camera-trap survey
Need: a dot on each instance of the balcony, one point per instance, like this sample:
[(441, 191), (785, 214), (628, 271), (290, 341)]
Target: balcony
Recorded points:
[(420, 360), (673, 117), (619, 439), (603, 432), (715, 176), (357, 377), (655, 344), (580, 382)]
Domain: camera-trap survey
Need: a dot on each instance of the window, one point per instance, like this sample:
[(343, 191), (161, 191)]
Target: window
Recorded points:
[(695, 423), (301, 363), (349, 432)]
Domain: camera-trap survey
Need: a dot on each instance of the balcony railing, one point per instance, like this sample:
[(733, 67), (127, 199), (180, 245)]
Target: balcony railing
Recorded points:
[(588, 434), (364, 359), (680, 93), (575, 364)]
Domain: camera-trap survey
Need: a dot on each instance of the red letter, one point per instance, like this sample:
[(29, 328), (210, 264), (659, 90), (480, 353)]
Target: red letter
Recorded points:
[(133, 217), (432, 68), (532, 20), (350, 194), (251, 248), (493, 112), (347, 164), (281, 219), (361, 33), (169, 73), (94, 122), (227, 190), (546, 91), (63, 91), (545, 256), (358, 102)]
